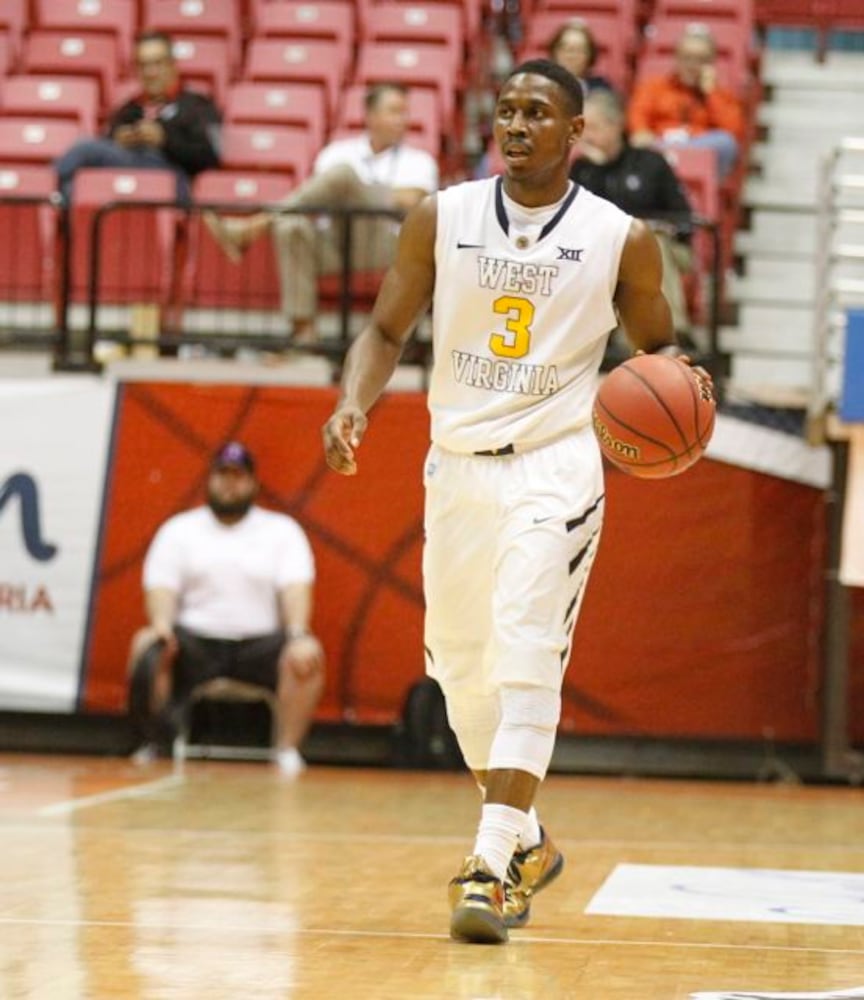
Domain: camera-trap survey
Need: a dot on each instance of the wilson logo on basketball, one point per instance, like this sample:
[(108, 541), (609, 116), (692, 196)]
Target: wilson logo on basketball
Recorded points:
[(610, 443)]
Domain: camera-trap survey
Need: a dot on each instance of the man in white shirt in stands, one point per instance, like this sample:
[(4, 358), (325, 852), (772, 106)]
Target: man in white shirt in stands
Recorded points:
[(377, 169), (228, 590)]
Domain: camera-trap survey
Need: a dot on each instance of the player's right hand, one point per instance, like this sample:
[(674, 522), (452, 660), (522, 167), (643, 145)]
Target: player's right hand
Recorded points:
[(342, 434)]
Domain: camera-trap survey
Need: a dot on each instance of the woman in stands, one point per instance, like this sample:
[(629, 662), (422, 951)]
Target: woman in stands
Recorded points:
[(573, 47)]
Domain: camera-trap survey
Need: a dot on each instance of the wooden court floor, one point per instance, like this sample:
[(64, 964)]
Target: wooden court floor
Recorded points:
[(223, 880)]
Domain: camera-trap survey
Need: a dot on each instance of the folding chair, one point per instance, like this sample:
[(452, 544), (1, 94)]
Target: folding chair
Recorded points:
[(225, 690)]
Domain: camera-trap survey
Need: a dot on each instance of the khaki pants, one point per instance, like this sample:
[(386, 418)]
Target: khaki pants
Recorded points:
[(306, 247), (677, 259)]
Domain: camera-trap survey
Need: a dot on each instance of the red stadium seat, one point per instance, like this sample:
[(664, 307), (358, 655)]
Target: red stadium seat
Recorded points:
[(309, 61), (75, 98), (735, 42), (27, 262), (6, 51), (470, 11), (198, 19), (422, 65), (259, 103), (212, 281), (35, 140), (323, 20), (115, 18), (135, 245), (696, 169), (426, 22), (66, 54), (424, 126), (728, 75), (13, 19), (613, 68), (616, 44), (204, 64), (706, 10), (274, 148)]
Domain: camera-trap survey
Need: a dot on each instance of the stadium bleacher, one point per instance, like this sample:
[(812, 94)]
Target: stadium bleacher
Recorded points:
[(290, 76)]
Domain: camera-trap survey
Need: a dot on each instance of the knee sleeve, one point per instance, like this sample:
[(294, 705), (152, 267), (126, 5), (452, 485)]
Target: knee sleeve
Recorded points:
[(474, 718), (526, 735)]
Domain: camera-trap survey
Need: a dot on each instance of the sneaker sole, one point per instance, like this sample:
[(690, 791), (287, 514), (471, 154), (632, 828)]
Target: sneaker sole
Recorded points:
[(478, 926)]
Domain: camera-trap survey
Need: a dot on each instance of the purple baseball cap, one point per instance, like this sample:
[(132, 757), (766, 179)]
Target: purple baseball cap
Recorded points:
[(234, 455)]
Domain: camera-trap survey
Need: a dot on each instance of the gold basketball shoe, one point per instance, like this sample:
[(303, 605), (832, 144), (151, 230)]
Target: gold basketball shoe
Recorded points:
[(529, 871), (477, 900)]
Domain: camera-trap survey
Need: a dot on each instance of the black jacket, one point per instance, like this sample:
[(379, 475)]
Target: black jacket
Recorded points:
[(192, 124), (641, 183)]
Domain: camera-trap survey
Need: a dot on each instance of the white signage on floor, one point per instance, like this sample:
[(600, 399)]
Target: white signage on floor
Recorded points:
[(751, 894), (850, 994)]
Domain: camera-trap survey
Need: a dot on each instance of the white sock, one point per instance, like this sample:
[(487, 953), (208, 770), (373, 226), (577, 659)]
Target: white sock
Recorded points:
[(530, 835), (290, 762), (497, 834)]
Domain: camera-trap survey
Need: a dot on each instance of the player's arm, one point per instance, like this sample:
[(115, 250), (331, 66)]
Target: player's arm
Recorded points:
[(642, 306), (404, 296)]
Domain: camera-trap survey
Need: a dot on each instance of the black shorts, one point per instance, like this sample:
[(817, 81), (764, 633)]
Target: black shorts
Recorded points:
[(199, 659)]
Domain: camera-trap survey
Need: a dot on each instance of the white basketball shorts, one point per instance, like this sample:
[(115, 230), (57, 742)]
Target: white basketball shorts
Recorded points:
[(510, 541)]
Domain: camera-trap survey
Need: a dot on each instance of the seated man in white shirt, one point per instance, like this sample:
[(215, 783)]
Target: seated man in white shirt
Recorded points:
[(228, 589), (374, 170)]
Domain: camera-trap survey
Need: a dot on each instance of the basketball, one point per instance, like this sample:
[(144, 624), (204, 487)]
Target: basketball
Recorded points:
[(653, 416)]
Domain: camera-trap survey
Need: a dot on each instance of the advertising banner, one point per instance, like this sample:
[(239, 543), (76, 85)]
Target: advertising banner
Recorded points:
[(53, 455)]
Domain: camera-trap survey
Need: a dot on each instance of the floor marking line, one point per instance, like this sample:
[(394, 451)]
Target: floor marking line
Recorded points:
[(519, 938), (137, 791)]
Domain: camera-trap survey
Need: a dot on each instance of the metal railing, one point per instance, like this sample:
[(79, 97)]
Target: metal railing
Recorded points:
[(162, 316), (838, 209)]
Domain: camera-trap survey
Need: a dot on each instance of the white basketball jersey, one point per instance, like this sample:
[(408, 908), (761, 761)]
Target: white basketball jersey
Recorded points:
[(519, 332)]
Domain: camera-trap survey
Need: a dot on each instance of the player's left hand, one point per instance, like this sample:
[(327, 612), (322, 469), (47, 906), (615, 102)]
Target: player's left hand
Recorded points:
[(342, 434), (705, 379)]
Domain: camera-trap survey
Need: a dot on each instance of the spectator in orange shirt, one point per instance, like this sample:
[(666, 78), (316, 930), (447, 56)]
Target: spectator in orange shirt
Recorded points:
[(687, 107)]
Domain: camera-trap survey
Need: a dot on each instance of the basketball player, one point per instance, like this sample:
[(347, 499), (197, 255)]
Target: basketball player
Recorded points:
[(527, 275)]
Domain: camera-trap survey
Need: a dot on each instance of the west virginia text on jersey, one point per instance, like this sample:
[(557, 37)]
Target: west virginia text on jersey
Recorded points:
[(527, 337)]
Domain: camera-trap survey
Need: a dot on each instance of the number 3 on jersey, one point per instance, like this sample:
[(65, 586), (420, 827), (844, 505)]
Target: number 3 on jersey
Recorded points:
[(516, 342)]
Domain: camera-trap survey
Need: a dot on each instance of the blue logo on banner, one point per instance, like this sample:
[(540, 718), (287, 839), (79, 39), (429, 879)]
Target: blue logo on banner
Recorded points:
[(25, 488)]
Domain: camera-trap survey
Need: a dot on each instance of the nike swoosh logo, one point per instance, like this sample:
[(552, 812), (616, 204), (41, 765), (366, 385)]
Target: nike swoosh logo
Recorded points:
[(540, 520), (468, 246)]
